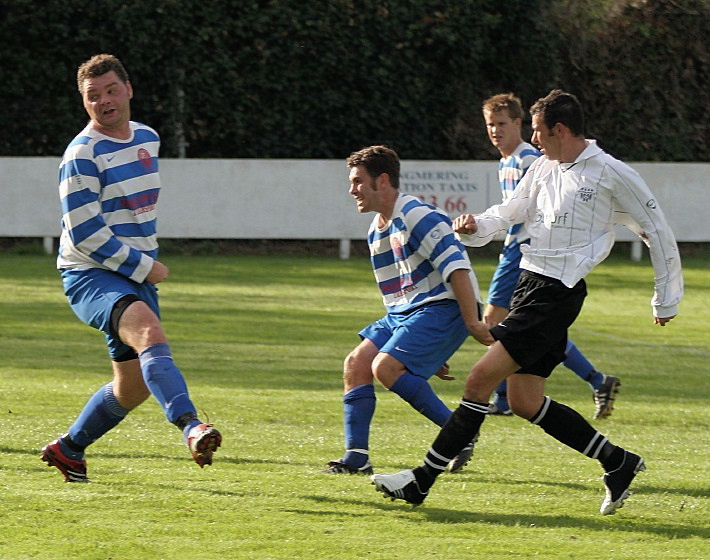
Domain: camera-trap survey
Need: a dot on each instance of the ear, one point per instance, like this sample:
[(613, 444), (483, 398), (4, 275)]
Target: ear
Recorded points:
[(561, 130), (130, 89), (382, 180)]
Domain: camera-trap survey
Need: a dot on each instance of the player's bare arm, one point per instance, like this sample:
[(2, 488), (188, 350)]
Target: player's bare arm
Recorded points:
[(463, 289)]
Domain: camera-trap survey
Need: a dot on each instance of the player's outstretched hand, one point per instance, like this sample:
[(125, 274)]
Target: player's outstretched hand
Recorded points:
[(158, 273), (662, 320), (479, 331), (443, 373), (465, 223)]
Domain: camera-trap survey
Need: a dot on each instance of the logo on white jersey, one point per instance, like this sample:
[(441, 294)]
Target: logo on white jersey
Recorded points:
[(586, 193)]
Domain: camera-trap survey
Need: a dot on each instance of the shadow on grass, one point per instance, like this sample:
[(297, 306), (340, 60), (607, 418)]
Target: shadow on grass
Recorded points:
[(638, 486), (449, 516)]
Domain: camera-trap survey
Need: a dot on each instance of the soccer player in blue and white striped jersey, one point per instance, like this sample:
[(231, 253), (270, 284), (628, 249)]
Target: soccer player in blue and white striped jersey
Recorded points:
[(108, 187), (430, 293), (503, 114)]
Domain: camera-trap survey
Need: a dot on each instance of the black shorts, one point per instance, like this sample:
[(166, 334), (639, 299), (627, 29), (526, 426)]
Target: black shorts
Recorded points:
[(535, 331)]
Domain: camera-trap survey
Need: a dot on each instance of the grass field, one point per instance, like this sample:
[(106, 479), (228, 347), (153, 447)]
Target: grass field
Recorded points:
[(261, 342)]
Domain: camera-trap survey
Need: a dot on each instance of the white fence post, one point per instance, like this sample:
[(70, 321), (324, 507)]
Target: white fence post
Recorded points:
[(344, 248)]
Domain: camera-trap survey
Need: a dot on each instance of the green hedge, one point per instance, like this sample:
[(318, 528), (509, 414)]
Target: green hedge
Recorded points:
[(295, 79)]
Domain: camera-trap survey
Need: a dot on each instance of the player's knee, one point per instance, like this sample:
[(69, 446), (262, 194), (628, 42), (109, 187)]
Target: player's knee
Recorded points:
[(474, 388), (386, 370), (356, 370)]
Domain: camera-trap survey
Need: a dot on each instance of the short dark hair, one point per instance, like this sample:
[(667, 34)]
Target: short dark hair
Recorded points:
[(560, 107), (98, 65), (377, 160), (506, 101)]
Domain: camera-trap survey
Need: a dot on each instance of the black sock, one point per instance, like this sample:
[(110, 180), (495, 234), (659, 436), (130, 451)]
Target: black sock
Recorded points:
[(611, 457), (185, 419), (569, 427), (457, 433), (71, 445)]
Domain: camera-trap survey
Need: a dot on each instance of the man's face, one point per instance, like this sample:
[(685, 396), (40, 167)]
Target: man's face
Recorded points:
[(544, 138), (107, 101), (363, 189), (503, 132)]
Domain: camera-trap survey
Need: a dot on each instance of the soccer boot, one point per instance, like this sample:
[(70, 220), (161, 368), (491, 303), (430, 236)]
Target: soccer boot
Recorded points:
[(73, 470), (605, 395), (341, 467), (462, 459), (399, 486), (617, 482), (500, 406), (203, 440)]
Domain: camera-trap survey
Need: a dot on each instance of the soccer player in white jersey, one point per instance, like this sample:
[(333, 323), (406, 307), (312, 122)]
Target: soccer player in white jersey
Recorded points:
[(570, 200), (430, 293), (108, 187), (503, 115)]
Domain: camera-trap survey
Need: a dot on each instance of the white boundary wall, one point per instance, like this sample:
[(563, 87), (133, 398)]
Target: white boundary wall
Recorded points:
[(308, 199)]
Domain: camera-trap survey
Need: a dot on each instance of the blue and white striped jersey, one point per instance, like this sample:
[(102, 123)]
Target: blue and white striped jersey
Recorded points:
[(108, 190), (510, 170), (414, 255)]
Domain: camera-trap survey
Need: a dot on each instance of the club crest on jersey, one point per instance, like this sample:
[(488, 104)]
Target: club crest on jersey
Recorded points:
[(586, 193), (397, 249), (146, 160)]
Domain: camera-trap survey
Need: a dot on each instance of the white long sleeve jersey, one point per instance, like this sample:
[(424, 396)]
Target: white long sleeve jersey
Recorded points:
[(570, 210)]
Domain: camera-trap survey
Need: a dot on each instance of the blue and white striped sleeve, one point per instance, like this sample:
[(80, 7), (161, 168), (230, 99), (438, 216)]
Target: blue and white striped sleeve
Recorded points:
[(438, 243)]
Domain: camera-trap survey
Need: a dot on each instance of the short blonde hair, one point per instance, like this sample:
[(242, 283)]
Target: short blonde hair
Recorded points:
[(504, 101)]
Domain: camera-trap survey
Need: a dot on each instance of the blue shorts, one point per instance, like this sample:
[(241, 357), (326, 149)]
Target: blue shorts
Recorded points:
[(506, 275), (422, 339), (93, 292)]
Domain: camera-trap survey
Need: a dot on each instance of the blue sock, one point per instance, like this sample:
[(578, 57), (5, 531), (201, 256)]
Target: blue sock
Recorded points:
[(165, 381), (418, 393), (582, 367), (101, 413), (502, 389), (358, 409)]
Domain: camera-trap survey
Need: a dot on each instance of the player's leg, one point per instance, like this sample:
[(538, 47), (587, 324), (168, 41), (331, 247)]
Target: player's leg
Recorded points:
[(421, 342), (102, 412), (521, 339), (500, 292), (556, 310), (358, 409), (569, 427), (605, 387), (107, 407), (138, 326), (413, 389), (91, 296), (461, 427), (581, 366)]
